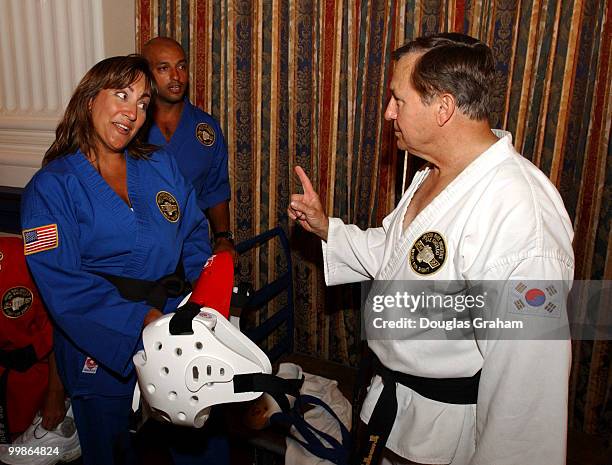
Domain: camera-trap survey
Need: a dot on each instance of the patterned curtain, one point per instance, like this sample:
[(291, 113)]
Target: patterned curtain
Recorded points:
[(304, 82)]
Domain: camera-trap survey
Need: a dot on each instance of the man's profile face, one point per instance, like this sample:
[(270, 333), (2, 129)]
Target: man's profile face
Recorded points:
[(412, 120), (169, 67)]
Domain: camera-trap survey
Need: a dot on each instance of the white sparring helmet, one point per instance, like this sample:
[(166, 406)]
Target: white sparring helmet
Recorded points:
[(181, 376)]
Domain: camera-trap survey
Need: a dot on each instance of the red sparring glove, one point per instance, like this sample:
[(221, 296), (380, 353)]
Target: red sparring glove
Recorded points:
[(215, 284)]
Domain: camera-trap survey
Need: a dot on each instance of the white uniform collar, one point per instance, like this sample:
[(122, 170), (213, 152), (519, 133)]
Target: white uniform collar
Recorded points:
[(500, 134)]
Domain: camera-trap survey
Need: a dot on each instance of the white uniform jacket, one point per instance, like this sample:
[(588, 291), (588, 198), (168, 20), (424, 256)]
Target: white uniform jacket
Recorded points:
[(500, 219)]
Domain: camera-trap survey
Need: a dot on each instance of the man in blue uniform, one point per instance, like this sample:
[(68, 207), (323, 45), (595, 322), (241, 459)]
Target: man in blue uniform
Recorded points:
[(191, 135)]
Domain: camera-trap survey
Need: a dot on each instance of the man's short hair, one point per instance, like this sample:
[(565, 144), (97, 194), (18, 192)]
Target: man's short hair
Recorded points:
[(456, 64)]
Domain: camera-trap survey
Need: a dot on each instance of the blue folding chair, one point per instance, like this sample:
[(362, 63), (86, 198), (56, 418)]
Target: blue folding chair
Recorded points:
[(261, 297)]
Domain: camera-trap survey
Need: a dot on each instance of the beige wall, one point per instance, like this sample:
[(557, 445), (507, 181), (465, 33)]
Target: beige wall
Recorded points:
[(119, 27)]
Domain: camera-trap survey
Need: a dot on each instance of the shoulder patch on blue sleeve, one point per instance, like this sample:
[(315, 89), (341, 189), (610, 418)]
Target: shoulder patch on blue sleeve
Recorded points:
[(40, 239)]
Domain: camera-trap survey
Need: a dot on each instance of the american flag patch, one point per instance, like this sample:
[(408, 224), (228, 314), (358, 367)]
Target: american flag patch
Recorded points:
[(39, 239)]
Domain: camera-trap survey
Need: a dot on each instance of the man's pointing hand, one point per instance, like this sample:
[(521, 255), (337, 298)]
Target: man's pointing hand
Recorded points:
[(306, 208)]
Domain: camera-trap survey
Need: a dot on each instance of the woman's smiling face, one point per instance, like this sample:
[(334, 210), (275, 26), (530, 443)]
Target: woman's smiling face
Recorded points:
[(118, 114)]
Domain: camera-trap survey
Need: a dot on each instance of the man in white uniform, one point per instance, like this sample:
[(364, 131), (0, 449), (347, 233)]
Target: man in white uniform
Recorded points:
[(477, 213)]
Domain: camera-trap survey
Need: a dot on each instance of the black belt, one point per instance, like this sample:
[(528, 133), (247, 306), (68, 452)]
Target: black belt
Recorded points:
[(155, 293), (447, 390), (21, 359)]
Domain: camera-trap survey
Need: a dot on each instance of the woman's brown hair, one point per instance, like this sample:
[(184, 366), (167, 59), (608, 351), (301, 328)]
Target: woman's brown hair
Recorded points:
[(76, 131)]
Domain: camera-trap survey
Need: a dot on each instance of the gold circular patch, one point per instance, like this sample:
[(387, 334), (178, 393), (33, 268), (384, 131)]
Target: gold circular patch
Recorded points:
[(168, 206), (205, 134), (16, 301), (428, 253)]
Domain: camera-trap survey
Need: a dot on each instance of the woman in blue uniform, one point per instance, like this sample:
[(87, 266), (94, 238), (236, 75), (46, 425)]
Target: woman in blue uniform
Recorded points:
[(107, 214)]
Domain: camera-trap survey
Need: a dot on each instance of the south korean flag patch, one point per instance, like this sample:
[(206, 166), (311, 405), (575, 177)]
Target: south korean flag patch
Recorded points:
[(539, 298)]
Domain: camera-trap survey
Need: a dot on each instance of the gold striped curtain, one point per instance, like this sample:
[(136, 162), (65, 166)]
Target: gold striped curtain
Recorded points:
[(305, 82)]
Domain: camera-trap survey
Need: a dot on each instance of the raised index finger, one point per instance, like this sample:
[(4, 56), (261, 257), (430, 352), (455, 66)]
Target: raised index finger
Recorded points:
[(306, 184)]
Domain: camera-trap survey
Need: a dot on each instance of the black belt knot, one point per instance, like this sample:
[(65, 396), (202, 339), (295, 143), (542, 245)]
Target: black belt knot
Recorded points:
[(447, 390)]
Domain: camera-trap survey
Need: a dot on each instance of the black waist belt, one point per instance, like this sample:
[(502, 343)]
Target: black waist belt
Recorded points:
[(21, 359), (447, 390), (155, 293)]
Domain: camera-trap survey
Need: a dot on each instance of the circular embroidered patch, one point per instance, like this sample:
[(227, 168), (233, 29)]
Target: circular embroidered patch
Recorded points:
[(205, 134), (428, 253), (16, 301), (168, 206)]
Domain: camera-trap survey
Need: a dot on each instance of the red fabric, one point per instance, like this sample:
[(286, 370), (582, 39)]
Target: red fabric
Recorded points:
[(459, 16), (25, 396), (22, 322), (215, 284)]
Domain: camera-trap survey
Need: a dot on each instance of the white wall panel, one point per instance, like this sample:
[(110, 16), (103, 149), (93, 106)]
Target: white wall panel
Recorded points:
[(7, 62), (50, 86), (20, 69), (32, 27)]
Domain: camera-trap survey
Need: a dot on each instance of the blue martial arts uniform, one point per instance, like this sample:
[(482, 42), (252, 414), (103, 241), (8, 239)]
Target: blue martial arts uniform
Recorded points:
[(75, 225), (199, 148)]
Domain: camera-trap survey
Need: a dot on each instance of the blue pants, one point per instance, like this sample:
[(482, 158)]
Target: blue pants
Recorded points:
[(101, 423), (199, 448), (103, 427), (181, 445)]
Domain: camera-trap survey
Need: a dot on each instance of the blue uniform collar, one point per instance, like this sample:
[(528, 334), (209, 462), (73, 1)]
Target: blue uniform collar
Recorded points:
[(90, 177), (155, 135)]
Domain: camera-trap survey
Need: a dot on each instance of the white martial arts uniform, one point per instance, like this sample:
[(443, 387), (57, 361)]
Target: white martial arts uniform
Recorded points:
[(500, 219)]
